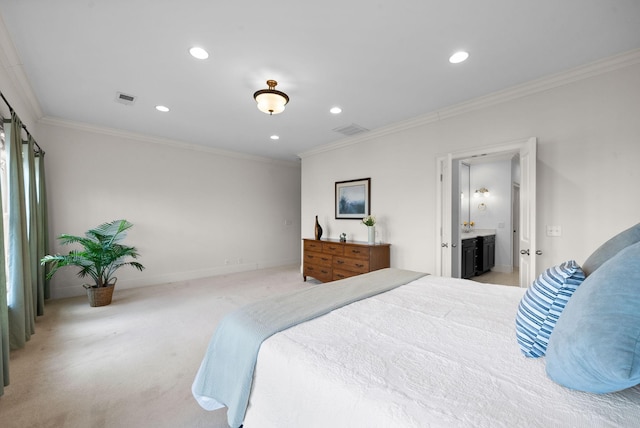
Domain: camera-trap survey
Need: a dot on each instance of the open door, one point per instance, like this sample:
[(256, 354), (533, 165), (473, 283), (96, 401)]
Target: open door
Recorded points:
[(443, 216), (527, 250)]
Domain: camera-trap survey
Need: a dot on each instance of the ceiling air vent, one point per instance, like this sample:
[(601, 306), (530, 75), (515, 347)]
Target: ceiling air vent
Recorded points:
[(126, 99), (350, 130)]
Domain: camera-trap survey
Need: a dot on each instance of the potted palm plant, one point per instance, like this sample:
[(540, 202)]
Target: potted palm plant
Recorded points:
[(102, 254)]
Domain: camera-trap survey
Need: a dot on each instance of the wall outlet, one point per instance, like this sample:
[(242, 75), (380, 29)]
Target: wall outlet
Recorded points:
[(554, 231)]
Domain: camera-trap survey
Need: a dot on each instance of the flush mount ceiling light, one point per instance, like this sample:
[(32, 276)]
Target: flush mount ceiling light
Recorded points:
[(198, 52), (335, 110), (163, 109), (270, 100), (458, 57)]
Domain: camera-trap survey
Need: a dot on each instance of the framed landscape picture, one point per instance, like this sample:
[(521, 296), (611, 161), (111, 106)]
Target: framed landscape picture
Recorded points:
[(353, 199)]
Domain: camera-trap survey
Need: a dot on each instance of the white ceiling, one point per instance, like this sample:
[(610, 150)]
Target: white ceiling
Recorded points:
[(381, 61)]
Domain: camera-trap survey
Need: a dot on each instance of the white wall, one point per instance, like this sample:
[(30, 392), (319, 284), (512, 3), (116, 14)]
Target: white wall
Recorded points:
[(588, 152), (195, 212), (14, 86)]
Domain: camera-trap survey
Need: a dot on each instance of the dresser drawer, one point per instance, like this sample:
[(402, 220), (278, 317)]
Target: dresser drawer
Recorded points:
[(331, 260), (312, 246), (321, 273), (330, 248), (356, 251), (353, 265), (342, 274), (320, 259)]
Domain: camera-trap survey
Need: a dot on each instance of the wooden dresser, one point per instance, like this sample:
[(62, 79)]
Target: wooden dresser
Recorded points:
[(329, 260)]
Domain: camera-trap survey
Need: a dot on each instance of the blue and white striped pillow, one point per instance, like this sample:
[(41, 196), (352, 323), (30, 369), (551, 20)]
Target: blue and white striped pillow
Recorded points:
[(542, 304)]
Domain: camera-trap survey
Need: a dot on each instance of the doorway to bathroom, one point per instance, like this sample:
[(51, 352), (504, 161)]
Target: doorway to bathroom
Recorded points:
[(476, 197)]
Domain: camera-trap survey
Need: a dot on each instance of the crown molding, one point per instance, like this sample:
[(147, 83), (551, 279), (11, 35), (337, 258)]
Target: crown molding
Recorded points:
[(577, 74), (117, 133), (11, 63)]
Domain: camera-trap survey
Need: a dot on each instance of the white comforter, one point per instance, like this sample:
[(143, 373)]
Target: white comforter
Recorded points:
[(437, 352)]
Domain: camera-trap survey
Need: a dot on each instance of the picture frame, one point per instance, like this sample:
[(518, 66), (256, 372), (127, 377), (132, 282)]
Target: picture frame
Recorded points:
[(353, 199)]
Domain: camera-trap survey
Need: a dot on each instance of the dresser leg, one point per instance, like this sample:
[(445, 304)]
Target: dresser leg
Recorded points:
[(305, 278)]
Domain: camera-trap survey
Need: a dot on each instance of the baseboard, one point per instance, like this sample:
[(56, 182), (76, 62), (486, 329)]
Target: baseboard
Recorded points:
[(148, 281)]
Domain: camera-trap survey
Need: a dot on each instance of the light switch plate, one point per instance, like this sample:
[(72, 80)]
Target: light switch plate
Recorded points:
[(554, 231)]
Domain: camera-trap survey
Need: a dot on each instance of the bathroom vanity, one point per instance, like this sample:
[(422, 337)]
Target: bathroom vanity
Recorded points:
[(478, 252)]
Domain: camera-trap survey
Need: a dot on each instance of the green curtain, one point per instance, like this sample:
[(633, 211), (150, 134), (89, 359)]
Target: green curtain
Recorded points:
[(29, 159), (25, 288), (42, 214), (4, 311), (20, 293)]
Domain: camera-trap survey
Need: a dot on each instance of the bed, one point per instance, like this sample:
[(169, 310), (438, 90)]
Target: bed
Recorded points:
[(431, 352)]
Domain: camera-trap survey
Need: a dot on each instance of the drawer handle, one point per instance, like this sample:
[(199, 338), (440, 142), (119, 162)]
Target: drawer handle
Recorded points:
[(309, 257), (357, 265), (355, 251), (310, 267), (332, 248), (340, 262), (339, 275), (324, 271), (325, 259)]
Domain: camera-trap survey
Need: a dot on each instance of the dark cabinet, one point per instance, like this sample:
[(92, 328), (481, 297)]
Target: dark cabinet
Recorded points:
[(486, 252), (469, 250), (478, 255)]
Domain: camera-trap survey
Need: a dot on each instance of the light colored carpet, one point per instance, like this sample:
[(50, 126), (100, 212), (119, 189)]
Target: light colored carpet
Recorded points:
[(129, 364)]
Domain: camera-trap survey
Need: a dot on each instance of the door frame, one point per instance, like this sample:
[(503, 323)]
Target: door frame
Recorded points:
[(527, 150)]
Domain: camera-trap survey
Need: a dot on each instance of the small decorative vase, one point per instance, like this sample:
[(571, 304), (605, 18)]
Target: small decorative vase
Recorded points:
[(318, 229), (372, 234)]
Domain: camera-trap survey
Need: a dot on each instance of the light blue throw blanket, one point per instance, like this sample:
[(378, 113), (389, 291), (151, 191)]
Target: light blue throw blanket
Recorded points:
[(226, 372)]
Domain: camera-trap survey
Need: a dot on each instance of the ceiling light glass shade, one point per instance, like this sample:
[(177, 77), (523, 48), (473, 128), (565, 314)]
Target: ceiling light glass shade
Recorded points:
[(198, 53), (458, 57), (270, 100)]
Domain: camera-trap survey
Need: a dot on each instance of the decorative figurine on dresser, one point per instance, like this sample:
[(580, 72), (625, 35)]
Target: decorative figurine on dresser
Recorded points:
[(318, 230), (331, 259)]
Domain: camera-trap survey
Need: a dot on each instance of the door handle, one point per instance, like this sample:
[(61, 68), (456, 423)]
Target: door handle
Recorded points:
[(523, 252), (538, 252), (445, 245), (454, 245)]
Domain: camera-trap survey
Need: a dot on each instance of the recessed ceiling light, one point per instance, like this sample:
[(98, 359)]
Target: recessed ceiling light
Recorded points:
[(199, 53), (336, 110), (275, 137), (163, 109), (458, 57)]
